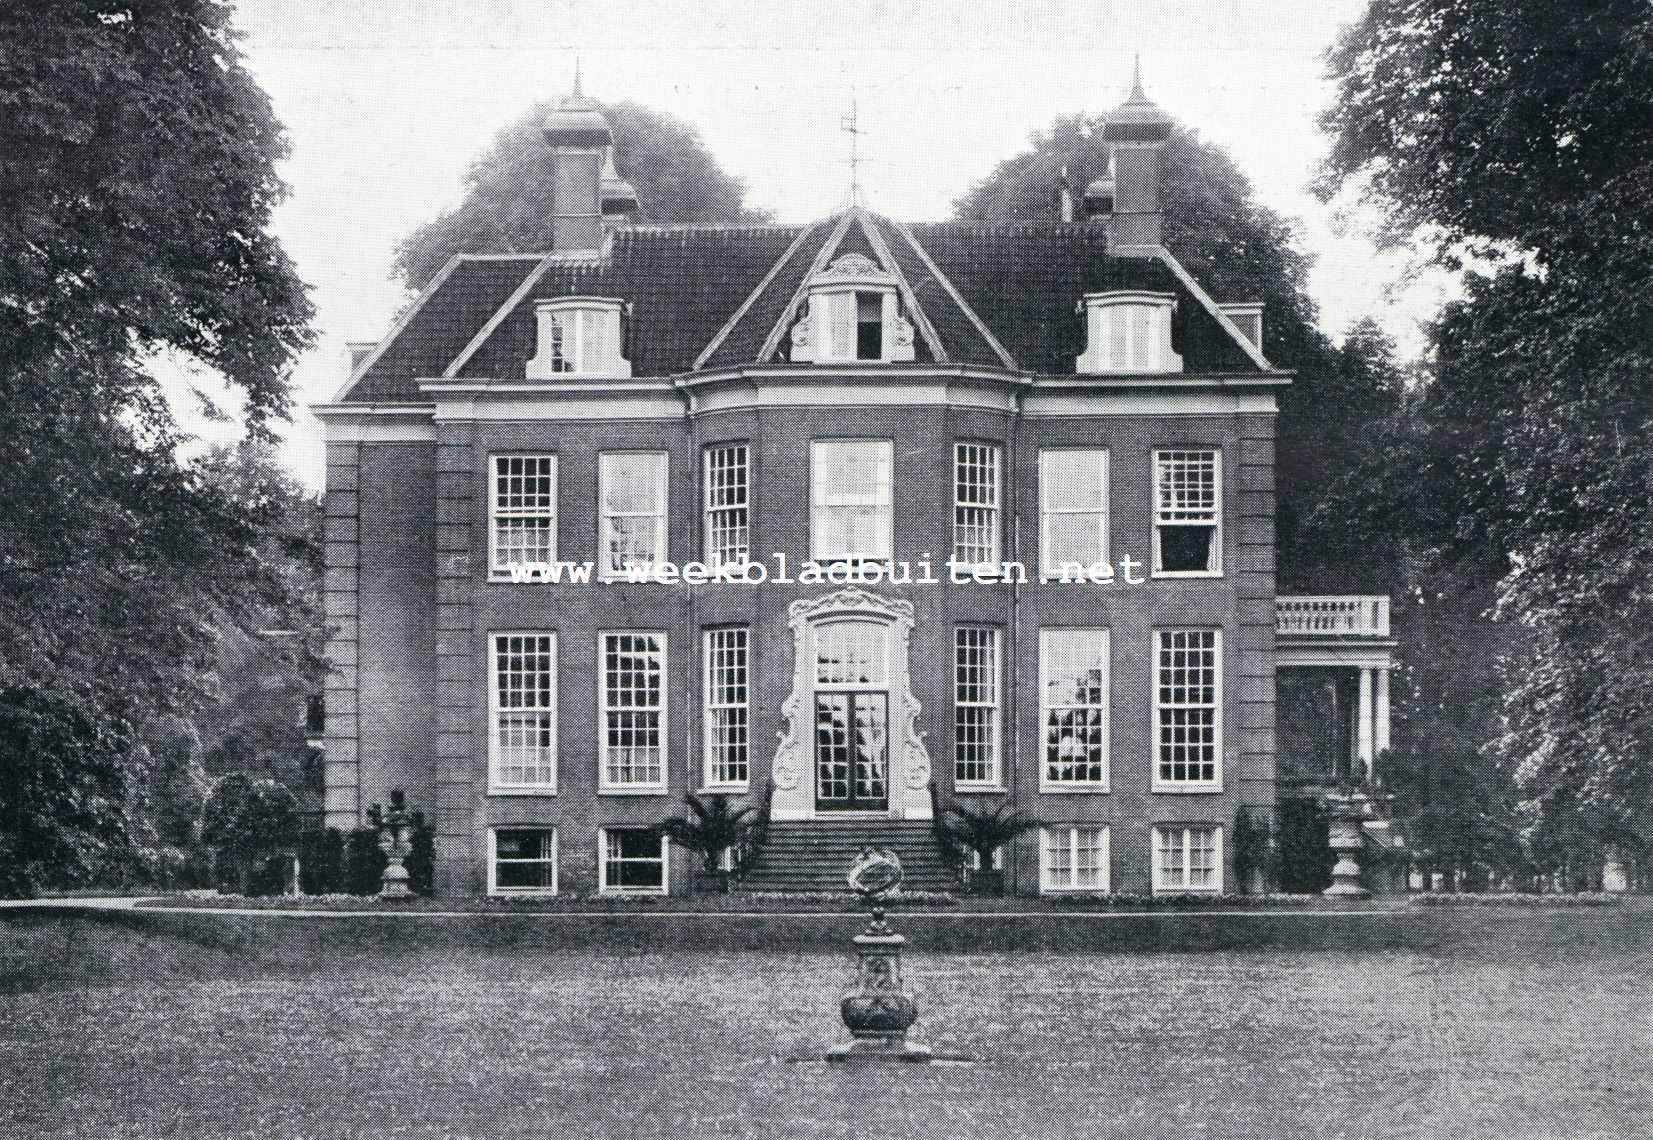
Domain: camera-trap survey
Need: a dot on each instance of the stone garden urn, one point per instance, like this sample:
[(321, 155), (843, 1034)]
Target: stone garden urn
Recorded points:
[(395, 839), (876, 1005), (1349, 809)]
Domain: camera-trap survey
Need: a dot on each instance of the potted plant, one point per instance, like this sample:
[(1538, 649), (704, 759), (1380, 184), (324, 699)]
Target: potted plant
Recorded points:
[(711, 827), (962, 830)]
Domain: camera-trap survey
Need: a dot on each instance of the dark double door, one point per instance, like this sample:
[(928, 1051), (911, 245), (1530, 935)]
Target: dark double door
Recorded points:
[(852, 751)]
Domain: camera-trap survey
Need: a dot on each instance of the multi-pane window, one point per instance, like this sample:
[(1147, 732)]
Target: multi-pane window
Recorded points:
[(632, 860), (1073, 509), (1188, 857), (523, 515), (633, 701), (1187, 697), (975, 706), (1187, 512), (727, 724), (632, 485), (1073, 683), (850, 514), (852, 672), (975, 503), (727, 521), (580, 336), (1073, 858), (523, 705), (525, 860)]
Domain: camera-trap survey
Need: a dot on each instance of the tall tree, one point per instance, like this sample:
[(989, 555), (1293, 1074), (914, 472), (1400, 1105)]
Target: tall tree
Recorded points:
[(507, 203), (1522, 134), (137, 176)]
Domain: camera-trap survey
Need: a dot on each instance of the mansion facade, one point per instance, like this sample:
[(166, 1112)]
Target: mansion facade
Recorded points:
[(853, 520)]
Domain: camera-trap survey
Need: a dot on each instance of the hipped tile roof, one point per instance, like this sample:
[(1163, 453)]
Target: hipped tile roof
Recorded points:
[(989, 291)]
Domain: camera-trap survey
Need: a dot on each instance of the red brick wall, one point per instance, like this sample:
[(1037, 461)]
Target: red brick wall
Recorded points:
[(426, 607)]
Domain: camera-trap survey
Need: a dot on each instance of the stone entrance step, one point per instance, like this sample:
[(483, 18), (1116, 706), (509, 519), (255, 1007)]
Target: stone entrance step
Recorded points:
[(814, 855)]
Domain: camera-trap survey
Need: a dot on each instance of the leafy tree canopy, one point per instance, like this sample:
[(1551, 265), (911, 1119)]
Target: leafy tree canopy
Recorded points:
[(1524, 133), (137, 176), (507, 203), (1527, 126)]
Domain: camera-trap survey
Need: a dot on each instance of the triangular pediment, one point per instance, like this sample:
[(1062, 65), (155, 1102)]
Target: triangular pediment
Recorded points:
[(857, 244)]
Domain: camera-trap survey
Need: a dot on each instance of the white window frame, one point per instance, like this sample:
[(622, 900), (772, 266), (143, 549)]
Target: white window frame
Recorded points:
[(995, 706), (1215, 784), (1162, 885), (579, 336), (1138, 325), (1069, 832), (710, 744), (1049, 567), (604, 785), (493, 861), (816, 506), (602, 865), (496, 786), (711, 511), (1046, 784), (1212, 518), (990, 458), (662, 472), (498, 570)]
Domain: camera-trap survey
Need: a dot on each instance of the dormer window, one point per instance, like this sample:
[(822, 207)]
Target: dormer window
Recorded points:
[(853, 313), (1128, 332), (580, 336)]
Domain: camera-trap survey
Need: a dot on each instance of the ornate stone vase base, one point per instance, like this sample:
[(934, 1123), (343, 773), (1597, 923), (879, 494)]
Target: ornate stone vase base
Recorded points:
[(868, 1050)]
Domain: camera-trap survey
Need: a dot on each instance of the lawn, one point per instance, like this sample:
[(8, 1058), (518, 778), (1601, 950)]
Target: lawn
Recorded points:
[(1417, 1024)]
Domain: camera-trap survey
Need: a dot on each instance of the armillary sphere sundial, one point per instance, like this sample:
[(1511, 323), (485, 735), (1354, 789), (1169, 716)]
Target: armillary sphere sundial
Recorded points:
[(876, 1006)]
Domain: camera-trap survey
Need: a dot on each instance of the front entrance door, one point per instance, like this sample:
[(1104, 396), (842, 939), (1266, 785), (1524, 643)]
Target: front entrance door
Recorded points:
[(852, 751)]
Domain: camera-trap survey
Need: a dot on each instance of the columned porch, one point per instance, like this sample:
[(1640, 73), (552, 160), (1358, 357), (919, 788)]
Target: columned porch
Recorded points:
[(1333, 656)]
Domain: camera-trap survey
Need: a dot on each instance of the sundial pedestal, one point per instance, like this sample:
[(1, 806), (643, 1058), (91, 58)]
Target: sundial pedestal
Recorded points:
[(876, 1005)]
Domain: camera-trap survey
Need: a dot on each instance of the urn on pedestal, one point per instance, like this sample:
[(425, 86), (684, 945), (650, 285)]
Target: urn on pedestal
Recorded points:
[(1349, 809), (395, 839)]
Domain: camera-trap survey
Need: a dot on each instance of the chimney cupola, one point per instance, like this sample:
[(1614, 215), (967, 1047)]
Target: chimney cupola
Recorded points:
[(1136, 135), (579, 138)]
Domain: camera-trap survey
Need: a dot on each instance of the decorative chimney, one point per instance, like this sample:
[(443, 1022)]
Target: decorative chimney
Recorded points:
[(1135, 135), (1099, 198), (619, 199), (579, 137)]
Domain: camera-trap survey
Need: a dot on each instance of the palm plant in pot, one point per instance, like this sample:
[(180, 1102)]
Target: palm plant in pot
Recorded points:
[(962, 830), (712, 827)]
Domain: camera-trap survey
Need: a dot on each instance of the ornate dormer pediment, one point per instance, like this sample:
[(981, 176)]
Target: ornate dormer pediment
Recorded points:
[(852, 312)]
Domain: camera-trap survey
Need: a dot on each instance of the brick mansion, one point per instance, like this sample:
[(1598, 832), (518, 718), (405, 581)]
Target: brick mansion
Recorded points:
[(851, 392)]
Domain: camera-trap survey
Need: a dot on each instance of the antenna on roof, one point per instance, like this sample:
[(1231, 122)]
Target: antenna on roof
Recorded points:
[(578, 91)]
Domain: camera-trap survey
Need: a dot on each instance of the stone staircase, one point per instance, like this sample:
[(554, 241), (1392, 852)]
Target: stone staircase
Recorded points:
[(814, 855)]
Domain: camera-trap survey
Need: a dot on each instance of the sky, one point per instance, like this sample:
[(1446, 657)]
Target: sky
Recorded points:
[(387, 102)]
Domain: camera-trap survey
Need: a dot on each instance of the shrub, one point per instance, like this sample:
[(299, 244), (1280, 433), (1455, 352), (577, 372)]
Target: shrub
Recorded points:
[(421, 859), (364, 863), (321, 861), (247, 822), (961, 829), (712, 826), (1512, 898)]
